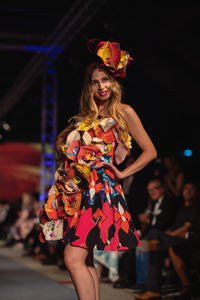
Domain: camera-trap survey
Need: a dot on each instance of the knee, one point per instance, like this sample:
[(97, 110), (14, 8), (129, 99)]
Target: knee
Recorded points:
[(172, 253), (71, 262), (176, 260)]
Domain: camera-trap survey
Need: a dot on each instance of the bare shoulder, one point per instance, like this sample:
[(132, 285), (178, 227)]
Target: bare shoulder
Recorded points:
[(133, 121), (128, 111), (137, 130), (125, 107)]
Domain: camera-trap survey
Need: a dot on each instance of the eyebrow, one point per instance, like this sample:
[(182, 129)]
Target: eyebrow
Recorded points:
[(95, 79)]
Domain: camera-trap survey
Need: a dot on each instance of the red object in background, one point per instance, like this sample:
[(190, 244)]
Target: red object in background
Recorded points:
[(19, 169)]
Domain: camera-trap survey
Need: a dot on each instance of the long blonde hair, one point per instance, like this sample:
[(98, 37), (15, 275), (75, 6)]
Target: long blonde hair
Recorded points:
[(88, 107)]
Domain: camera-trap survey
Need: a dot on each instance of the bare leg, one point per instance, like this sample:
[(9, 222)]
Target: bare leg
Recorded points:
[(75, 258), (99, 269), (92, 269), (179, 267)]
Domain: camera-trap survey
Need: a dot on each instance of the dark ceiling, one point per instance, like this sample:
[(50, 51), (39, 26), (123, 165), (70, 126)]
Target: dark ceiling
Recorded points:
[(161, 83)]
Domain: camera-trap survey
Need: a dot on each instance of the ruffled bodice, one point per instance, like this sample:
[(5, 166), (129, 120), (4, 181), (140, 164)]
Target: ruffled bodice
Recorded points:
[(96, 141)]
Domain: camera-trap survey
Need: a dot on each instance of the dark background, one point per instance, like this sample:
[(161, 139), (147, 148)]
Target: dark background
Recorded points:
[(162, 81)]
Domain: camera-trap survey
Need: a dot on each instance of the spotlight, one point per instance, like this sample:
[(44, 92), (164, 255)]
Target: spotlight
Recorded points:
[(6, 126), (188, 152)]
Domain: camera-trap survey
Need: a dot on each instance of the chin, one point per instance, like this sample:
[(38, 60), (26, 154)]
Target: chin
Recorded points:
[(102, 99)]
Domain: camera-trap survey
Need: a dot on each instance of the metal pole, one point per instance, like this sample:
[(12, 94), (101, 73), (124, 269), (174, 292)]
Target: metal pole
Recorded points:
[(48, 130)]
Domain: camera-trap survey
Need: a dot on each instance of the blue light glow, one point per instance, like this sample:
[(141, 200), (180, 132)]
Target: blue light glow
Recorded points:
[(188, 152), (48, 163), (42, 197), (43, 48), (49, 155)]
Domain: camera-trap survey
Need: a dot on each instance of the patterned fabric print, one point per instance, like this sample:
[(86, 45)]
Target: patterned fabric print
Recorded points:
[(102, 221)]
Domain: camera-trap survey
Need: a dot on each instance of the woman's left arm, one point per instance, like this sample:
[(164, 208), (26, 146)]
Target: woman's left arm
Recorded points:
[(142, 139)]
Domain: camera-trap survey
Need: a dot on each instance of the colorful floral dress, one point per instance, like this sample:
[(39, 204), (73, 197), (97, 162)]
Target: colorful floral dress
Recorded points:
[(88, 199)]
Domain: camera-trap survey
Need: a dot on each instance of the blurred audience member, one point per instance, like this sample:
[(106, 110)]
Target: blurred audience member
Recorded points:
[(187, 251), (161, 209), (185, 223), (26, 220), (8, 215), (159, 214)]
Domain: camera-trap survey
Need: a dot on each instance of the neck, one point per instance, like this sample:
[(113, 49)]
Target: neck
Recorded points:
[(102, 106)]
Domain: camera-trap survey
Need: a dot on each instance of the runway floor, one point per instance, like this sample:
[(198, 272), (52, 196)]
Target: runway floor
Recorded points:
[(23, 278)]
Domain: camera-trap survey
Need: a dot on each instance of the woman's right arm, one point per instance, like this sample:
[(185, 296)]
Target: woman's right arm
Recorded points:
[(61, 139)]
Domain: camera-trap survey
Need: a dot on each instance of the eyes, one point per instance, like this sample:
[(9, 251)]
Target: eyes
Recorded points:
[(103, 80)]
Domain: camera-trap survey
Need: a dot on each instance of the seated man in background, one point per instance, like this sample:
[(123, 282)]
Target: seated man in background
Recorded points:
[(159, 214), (161, 210), (185, 222)]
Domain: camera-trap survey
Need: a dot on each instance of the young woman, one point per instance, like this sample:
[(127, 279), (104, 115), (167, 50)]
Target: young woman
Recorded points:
[(95, 214)]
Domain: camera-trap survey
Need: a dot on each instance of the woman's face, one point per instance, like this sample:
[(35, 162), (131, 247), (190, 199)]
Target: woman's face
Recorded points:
[(101, 85)]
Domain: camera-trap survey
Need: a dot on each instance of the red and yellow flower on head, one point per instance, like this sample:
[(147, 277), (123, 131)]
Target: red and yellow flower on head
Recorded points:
[(112, 56)]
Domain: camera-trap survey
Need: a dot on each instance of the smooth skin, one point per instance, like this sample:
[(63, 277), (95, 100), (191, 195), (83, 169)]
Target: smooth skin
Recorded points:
[(79, 261)]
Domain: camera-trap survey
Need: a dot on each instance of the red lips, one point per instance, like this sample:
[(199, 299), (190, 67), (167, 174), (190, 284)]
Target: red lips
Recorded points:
[(102, 94)]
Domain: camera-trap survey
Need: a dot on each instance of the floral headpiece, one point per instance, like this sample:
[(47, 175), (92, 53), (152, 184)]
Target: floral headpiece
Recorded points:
[(111, 55)]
